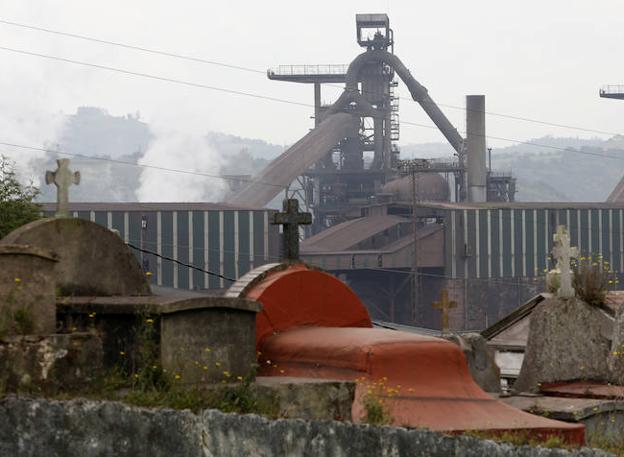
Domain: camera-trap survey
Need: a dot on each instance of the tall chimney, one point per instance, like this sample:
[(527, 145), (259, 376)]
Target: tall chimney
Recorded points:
[(476, 151)]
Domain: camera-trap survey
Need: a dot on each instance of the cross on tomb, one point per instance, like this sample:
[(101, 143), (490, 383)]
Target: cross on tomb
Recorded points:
[(62, 178), (291, 219), (444, 305), (563, 253)]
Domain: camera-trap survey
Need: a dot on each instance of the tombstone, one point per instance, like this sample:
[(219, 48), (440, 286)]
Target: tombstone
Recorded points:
[(62, 178), (92, 260), (563, 253), (569, 340), (291, 219), (27, 291), (444, 305)]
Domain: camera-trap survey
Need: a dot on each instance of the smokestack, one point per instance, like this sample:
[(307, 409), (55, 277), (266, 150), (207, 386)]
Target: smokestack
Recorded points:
[(476, 151)]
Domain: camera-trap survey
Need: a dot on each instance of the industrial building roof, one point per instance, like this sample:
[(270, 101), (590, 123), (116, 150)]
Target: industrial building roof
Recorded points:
[(343, 236), (521, 205), (148, 206)]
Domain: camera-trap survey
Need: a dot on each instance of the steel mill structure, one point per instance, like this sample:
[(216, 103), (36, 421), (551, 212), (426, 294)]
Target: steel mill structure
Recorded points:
[(345, 161)]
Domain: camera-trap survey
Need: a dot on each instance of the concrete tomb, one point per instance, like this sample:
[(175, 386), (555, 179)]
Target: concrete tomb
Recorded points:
[(199, 338), (33, 356), (91, 259), (101, 289), (313, 326), (569, 340)]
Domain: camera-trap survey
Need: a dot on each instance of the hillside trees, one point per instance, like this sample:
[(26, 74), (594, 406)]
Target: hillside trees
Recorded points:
[(17, 206)]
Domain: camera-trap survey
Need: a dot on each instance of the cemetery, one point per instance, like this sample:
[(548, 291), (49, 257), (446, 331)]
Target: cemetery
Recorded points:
[(97, 360)]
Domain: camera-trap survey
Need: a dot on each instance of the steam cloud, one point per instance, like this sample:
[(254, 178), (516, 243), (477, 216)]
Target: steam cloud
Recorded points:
[(179, 150)]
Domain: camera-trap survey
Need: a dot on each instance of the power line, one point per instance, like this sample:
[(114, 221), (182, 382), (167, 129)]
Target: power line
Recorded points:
[(193, 267), (134, 164), (130, 46), (156, 77), (258, 71), (203, 86), (499, 280), (529, 143)]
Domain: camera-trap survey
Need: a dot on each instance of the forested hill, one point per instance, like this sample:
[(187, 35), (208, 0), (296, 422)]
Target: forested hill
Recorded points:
[(566, 169)]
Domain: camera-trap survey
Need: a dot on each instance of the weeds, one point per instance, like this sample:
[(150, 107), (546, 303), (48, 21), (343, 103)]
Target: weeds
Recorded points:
[(374, 401), (520, 438), (592, 277)]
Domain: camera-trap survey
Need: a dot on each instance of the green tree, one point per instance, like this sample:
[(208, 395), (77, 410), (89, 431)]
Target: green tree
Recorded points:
[(17, 206)]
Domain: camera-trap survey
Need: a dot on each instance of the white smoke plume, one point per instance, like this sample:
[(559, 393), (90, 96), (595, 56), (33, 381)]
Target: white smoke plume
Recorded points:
[(181, 150)]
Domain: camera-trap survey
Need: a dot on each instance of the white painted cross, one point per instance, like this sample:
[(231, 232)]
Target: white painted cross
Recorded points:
[(564, 253), (62, 178)]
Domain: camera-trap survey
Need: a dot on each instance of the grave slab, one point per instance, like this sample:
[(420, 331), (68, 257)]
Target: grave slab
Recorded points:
[(27, 290), (603, 419)]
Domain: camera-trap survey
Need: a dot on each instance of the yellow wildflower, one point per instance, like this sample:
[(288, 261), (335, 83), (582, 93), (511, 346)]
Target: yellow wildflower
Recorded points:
[(217, 364), (149, 321), (18, 280)]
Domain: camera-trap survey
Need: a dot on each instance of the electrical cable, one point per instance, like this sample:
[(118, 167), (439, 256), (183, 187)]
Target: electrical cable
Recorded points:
[(135, 164), (155, 77), (258, 71), (211, 273), (275, 99)]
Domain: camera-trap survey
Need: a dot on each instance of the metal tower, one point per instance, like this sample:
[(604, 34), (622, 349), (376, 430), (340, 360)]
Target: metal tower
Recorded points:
[(359, 165)]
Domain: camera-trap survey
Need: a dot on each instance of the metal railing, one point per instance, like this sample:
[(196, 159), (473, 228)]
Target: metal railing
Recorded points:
[(301, 70), (501, 174), (612, 89)]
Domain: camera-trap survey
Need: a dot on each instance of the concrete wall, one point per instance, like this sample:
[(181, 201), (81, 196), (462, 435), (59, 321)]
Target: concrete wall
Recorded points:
[(33, 427)]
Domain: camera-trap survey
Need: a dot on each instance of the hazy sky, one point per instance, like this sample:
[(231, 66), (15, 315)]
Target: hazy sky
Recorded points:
[(539, 59)]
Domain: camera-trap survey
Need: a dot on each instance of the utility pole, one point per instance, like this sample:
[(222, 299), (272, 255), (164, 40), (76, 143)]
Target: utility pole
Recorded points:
[(412, 167)]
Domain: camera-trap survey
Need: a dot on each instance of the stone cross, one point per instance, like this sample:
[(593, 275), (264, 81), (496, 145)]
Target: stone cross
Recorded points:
[(62, 178), (444, 305), (291, 219), (563, 253)]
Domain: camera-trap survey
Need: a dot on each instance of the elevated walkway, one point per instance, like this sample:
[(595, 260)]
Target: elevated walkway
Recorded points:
[(612, 91), (309, 73)]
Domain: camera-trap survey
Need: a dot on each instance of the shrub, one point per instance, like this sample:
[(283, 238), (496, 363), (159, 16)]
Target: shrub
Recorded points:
[(592, 279), (17, 205)]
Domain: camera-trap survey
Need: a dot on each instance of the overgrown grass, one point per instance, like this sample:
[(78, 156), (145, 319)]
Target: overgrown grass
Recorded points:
[(520, 438), (239, 398), (598, 440)]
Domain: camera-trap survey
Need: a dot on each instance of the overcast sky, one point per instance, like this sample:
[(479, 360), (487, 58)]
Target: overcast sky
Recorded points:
[(539, 59)]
